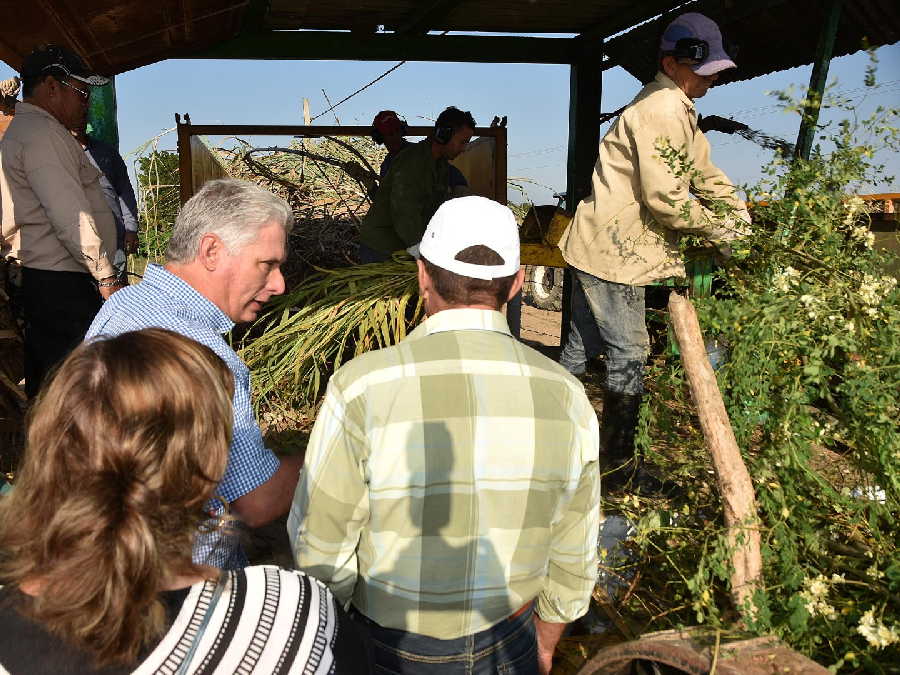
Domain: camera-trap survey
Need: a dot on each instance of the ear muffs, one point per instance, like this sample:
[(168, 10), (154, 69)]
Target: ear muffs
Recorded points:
[(691, 50), (379, 138), (443, 135)]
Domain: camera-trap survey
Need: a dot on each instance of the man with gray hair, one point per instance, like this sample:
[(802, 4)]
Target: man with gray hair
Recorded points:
[(223, 264), (452, 494)]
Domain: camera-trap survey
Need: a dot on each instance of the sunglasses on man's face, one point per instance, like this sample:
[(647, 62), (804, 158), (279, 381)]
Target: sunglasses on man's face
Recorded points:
[(85, 95)]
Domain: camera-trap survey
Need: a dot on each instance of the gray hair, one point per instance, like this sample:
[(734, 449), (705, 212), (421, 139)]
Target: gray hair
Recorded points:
[(231, 209)]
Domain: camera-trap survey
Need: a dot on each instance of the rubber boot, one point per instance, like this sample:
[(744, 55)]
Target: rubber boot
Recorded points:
[(617, 429), (617, 455)]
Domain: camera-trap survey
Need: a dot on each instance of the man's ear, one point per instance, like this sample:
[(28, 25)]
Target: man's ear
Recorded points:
[(210, 251), (517, 284), (667, 64), (424, 279)]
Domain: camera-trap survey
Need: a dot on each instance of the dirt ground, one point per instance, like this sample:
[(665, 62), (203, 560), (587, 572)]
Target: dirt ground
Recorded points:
[(541, 326)]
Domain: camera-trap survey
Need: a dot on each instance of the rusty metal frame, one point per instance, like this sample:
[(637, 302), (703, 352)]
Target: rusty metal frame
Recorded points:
[(186, 130)]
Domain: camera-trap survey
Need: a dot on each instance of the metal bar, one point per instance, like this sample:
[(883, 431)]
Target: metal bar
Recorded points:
[(312, 131), (500, 164), (346, 46), (185, 161), (585, 89), (818, 78), (423, 19)]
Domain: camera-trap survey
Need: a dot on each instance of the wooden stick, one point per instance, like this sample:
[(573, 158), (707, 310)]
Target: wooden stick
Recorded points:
[(731, 473)]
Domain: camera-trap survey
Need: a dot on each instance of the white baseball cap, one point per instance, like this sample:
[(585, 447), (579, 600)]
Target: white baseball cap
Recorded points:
[(472, 221)]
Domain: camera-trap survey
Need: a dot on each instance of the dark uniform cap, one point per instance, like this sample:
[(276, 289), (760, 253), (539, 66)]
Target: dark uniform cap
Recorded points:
[(57, 60)]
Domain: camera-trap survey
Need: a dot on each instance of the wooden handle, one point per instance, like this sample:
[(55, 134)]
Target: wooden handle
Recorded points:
[(731, 473)]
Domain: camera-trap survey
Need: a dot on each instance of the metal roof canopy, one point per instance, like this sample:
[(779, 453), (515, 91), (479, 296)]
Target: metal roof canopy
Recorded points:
[(118, 35)]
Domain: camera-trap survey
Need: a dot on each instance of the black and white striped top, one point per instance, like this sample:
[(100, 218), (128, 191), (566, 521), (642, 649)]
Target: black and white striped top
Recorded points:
[(267, 620)]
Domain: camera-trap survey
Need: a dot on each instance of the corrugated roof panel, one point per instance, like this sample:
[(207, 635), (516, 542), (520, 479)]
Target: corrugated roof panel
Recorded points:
[(117, 35), (776, 36)]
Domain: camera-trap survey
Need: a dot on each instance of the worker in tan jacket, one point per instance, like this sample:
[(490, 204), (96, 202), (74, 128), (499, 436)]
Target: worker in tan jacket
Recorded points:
[(626, 234), (54, 219)]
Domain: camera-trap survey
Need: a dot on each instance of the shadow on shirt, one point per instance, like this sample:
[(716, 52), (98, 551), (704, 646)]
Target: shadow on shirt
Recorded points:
[(450, 557)]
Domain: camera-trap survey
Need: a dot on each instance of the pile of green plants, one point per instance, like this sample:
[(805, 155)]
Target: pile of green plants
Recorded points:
[(810, 319), (329, 318)]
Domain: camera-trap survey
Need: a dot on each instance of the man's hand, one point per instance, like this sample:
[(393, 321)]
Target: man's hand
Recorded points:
[(547, 635), (108, 286), (716, 123), (131, 242)]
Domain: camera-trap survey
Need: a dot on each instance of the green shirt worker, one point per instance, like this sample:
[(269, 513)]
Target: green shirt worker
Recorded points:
[(416, 184)]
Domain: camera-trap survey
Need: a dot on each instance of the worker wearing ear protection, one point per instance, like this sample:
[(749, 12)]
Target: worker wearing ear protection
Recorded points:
[(416, 184), (625, 235)]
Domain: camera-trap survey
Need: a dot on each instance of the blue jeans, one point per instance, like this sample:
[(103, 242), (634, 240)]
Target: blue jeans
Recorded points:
[(509, 646), (607, 318)]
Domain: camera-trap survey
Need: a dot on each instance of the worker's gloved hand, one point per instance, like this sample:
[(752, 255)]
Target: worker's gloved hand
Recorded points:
[(715, 123)]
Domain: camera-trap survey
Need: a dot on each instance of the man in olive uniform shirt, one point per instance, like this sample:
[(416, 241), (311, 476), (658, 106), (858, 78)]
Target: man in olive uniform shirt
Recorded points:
[(416, 184)]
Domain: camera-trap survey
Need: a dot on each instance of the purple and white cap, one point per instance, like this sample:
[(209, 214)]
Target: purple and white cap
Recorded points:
[(699, 27)]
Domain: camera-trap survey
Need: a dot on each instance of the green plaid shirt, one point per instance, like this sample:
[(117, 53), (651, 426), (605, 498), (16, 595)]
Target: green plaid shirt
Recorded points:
[(451, 479)]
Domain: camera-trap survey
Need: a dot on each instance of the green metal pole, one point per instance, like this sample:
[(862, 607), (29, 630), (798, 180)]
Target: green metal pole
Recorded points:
[(585, 89), (818, 78), (103, 122)]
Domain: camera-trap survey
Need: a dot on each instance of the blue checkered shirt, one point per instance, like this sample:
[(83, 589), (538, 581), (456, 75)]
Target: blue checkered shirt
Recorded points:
[(164, 300)]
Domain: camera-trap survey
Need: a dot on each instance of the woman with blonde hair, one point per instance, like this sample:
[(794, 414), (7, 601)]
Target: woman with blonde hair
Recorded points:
[(124, 450)]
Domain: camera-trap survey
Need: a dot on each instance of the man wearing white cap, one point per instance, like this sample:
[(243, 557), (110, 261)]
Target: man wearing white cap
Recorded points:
[(451, 488), (626, 234)]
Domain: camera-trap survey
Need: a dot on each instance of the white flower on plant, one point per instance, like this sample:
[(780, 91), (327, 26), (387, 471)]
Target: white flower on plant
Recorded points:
[(850, 327), (876, 633), (854, 206), (874, 572), (863, 234), (785, 279), (872, 289), (810, 302), (815, 593)]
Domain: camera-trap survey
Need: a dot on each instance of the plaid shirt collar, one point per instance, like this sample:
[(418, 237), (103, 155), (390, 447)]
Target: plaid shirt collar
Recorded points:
[(183, 293), (461, 319)]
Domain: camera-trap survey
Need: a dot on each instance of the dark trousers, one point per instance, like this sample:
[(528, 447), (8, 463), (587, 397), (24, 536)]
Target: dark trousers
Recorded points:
[(58, 309), (370, 255), (509, 646)]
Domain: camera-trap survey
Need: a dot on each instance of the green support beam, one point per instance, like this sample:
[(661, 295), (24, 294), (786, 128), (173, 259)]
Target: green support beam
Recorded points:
[(342, 46), (585, 89), (819, 78), (103, 122)]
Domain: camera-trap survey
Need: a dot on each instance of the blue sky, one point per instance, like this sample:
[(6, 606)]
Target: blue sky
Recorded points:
[(534, 97)]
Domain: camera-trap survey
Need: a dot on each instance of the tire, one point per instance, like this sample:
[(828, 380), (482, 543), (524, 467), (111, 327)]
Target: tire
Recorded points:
[(543, 287)]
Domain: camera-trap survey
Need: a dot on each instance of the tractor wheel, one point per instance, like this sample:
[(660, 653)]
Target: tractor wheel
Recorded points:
[(543, 287)]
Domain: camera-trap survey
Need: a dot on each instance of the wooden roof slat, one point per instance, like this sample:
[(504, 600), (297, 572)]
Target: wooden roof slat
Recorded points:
[(117, 35)]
